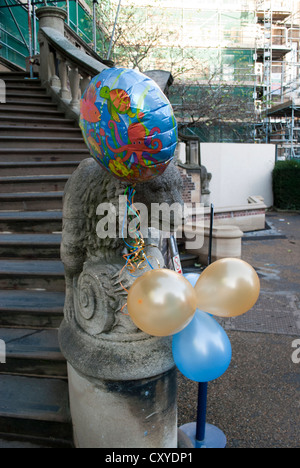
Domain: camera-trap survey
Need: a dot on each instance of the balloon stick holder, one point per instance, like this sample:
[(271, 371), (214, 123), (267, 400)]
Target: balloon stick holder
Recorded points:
[(200, 433)]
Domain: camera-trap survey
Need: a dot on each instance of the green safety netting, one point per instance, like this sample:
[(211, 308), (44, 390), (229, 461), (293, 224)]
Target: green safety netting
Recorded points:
[(14, 38)]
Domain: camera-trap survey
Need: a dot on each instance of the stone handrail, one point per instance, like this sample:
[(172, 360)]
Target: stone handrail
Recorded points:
[(73, 64), (78, 42), (64, 69), (67, 63)]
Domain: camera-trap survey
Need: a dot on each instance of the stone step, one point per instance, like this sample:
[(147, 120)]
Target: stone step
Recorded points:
[(35, 98), (32, 352), (41, 142), (13, 81), (21, 87), (43, 154), (46, 183), (38, 168), (35, 246), (35, 407), (37, 274), (15, 441), (31, 309), (20, 111), (31, 201), (36, 131), (30, 221), (28, 104), (18, 75), (37, 121), (188, 259)]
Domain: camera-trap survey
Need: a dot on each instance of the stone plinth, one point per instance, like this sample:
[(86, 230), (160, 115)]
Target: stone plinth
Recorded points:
[(52, 17), (122, 387), (123, 414)]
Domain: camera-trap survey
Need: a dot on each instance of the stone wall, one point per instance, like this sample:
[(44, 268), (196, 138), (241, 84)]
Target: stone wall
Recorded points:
[(238, 172), (250, 217)]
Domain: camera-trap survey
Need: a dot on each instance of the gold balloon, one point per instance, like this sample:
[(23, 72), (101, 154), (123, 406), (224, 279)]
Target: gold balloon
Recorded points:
[(227, 288), (161, 302)]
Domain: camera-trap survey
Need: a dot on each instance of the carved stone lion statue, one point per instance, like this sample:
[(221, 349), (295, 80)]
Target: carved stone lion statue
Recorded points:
[(95, 314)]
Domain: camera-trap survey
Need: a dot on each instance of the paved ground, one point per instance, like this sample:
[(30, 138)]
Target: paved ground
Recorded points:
[(257, 401)]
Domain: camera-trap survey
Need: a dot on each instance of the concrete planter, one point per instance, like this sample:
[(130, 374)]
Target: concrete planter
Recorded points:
[(227, 242)]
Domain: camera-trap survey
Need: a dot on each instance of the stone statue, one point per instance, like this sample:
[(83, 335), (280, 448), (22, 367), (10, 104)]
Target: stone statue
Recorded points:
[(96, 282), (205, 181)]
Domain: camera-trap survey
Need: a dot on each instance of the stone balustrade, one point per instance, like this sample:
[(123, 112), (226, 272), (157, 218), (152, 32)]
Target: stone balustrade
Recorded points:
[(65, 69)]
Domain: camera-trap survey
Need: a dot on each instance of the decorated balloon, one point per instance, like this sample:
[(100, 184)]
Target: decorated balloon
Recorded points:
[(228, 288), (202, 350), (128, 124), (161, 302)]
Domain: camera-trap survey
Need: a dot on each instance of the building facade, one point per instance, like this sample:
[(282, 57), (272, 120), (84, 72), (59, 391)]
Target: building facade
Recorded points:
[(250, 47), (245, 52)]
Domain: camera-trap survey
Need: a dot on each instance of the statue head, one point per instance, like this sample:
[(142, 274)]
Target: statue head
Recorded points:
[(160, 193)]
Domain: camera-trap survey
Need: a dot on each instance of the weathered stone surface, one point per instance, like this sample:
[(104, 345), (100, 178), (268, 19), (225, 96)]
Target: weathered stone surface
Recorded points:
[(121, 381), (52, 17), (104, 358), (78, 56), (96, 323), (132, 414)]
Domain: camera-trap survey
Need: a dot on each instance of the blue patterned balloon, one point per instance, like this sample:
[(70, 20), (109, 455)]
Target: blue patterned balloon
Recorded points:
[(128, 124)]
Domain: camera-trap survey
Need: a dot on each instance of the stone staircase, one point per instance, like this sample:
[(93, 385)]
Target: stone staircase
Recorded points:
[(39, 149)]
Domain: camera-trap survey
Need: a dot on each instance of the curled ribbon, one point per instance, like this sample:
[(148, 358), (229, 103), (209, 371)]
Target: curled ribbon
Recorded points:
[(136, 256)]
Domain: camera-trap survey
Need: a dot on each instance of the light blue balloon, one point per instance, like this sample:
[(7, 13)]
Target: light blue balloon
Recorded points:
[(202, 351), (192, 278)]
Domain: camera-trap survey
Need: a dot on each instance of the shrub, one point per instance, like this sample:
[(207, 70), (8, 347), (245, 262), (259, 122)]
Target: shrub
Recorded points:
[(286, 185)]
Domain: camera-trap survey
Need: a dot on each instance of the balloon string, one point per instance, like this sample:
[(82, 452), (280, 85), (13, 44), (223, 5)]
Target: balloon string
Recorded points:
[(136, 253), (123, 309), (136, 259)]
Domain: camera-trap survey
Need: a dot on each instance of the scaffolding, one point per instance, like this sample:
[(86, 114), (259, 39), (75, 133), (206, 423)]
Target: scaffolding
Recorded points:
[(250, 46), (277, 59), (209, 45)]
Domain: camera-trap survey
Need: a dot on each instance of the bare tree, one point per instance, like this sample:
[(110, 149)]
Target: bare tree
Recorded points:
[(202, 97), (138, 34), (212, 101)]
